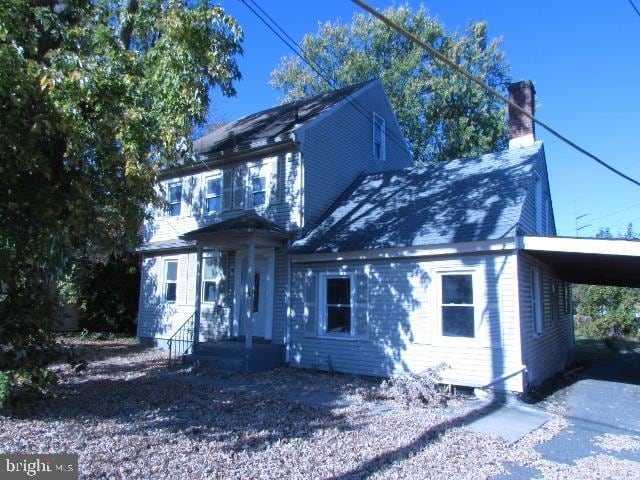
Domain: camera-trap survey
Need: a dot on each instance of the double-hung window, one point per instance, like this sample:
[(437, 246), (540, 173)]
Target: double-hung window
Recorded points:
[(210, 277), (170, 280), (457, 307), (257, 186), (338, 298), (378, 137), (213, 194), (174, 198)]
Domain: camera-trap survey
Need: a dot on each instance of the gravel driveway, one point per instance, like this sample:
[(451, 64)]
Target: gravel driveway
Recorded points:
[(129, 417)]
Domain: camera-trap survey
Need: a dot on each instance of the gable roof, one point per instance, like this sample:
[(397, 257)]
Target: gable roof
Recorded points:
[(463, 200), (245, 223), (262, 127)]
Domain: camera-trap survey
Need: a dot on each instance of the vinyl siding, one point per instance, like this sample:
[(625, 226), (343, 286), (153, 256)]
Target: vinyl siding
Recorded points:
[(527, 222), (284, 207), (552, 351), (404, 322), (338, 148)]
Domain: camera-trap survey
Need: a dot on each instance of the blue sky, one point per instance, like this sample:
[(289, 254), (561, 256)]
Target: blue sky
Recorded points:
[(584, 58)]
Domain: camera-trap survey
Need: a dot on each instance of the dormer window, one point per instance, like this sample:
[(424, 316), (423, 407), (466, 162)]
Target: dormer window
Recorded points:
[(213, 194), (378, 137), (175, 198)]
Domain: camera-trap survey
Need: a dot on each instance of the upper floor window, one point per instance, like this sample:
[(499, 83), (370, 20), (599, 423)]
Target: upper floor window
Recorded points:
[(378, 137), (213, 194), (257, 194), (170, 280), (457, 307), (175, 198)]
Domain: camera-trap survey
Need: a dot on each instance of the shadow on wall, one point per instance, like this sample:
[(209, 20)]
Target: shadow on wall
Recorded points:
[(460, 202), (153, 310)]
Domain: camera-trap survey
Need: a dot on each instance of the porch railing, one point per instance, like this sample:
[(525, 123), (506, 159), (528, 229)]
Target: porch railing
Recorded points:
[(181, 342)]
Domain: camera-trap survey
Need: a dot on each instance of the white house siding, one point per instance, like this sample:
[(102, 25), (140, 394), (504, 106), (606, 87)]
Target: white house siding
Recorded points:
[(553, 350), (339, 147), (156, 318), (280, 292), (528, 217), (284, 209), (402, 331)]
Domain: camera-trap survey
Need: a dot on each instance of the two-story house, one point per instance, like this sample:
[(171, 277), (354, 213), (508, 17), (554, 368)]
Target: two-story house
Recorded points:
[(305, 229)]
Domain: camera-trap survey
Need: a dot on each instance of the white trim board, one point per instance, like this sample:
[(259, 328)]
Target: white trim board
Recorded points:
[(596, 246), (499, 245)]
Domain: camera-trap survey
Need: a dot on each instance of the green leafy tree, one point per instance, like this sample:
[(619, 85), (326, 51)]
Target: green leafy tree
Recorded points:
[(442, 115), (93, 93), (603, 311)]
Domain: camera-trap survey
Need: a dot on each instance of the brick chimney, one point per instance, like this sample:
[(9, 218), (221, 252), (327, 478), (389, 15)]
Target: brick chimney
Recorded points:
[(522, 130)]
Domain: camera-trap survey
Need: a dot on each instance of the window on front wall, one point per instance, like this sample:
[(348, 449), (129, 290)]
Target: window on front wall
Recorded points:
[(209, 277), (458, 311), (170, 280), (257, 186), (175, 198), (378, 137), (213, 194), (338, 305)]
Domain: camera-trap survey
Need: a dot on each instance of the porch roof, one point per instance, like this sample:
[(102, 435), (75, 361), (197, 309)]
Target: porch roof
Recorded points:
[(240, 230), (593, 261)]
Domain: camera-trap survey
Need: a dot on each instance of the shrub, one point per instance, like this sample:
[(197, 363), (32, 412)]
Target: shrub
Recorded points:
[(416, 389)]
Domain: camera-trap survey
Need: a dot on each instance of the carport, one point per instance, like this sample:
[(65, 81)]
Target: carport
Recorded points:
[(593, 261)]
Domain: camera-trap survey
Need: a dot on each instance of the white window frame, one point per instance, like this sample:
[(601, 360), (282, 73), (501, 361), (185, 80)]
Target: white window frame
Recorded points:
[(166, 281), (567, 304), (323, 306), (215, 278), (537, 306), (170, 184), (207, 196), (378, 121), (264, 170), (477, 293)]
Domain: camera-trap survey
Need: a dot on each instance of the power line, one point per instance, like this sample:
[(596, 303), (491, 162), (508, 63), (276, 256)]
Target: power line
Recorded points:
[(633, 5), (488, 88), (616, 212), (292, 45)]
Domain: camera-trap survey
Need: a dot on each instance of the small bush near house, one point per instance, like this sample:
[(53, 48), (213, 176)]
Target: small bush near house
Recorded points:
[(106, 293), (603, 312), (416, 389)]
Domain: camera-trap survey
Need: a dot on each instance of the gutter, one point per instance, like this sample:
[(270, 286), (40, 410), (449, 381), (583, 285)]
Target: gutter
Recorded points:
[(223, 157)]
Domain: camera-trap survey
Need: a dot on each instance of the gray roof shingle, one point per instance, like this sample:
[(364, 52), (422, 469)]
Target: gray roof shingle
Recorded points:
[(261, 127), (462, 200)]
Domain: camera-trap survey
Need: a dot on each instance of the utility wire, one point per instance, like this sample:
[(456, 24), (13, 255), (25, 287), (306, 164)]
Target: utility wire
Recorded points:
[(633, 5), (486, 87), (292, 45)]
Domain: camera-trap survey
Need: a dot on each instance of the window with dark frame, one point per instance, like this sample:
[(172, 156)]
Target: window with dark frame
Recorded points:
[(209, 284), (175, 198), (213, 195), (338, 305), (256, 293), (170, 280), (566, 304), (458, 311)]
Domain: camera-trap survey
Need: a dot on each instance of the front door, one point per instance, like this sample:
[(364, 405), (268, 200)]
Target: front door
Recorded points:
[(262, 305)]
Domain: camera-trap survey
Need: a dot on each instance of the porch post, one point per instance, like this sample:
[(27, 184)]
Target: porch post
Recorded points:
[(196, 323), (248, 322)]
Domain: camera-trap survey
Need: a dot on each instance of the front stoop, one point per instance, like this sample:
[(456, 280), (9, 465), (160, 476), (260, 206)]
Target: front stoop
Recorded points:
[(233, 357)]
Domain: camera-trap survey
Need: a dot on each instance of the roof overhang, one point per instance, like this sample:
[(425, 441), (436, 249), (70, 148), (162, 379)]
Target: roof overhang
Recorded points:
[(239, 232), (592, 261)]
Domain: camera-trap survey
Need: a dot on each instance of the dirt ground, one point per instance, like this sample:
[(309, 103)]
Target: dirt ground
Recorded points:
[(128, 416)]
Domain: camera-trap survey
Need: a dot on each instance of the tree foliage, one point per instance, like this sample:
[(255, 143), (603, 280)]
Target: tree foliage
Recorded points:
[(442, 115), (603, 311), (93, 93)]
